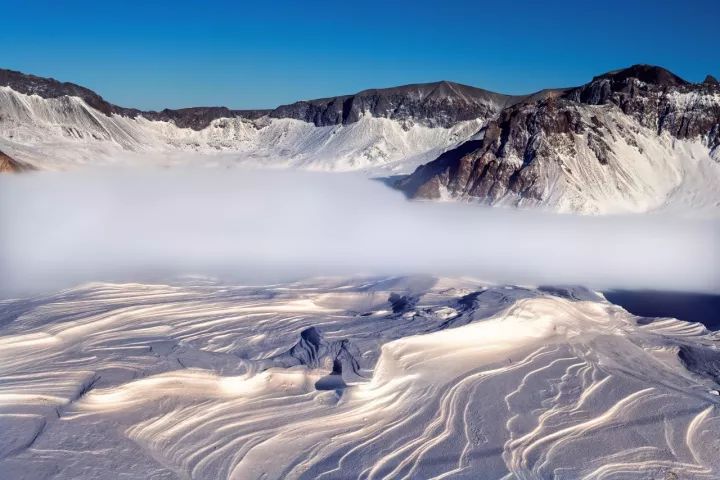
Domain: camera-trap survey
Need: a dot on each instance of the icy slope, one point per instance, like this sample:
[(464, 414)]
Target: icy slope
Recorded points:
[(395, 378)]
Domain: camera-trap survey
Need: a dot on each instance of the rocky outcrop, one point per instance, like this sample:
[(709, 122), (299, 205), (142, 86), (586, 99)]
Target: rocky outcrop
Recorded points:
[(312, 350), (10, 165)]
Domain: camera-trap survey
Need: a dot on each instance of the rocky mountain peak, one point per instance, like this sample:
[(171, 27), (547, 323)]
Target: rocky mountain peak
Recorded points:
[(619, 85), (710, 80), (654, 101), (51, 88), (651, 74)]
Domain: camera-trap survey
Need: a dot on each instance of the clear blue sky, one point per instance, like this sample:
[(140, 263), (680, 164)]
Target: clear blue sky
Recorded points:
[(262, 53)]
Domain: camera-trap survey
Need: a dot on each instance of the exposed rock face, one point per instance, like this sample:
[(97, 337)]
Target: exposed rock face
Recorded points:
[(10, 165), (199, 118), (541, 147), (432, 104), (504, 160)]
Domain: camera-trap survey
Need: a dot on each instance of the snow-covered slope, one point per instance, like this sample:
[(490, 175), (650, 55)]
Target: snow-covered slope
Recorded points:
[(365, 378), (63, 132)]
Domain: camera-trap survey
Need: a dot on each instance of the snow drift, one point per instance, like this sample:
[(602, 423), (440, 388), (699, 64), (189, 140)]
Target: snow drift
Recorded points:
[(175, 381)]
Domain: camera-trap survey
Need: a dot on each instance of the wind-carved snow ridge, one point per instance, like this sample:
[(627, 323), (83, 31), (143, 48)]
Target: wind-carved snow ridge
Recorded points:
[(65, 132), (364, 378)]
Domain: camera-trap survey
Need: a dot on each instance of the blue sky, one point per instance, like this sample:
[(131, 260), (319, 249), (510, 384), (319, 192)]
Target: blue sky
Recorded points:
[(157, 54)]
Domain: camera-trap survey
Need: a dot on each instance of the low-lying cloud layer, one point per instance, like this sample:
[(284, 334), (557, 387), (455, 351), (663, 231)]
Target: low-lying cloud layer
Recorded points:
[(60, 229)]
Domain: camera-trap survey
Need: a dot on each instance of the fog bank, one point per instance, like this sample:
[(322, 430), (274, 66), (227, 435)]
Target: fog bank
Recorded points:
[(61, 229)]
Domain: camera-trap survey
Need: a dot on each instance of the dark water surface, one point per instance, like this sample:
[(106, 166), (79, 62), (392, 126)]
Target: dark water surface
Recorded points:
[(692, 307)]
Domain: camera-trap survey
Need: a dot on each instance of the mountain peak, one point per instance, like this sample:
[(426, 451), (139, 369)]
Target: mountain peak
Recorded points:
[(710, 80), (51, 88), (646, 73)]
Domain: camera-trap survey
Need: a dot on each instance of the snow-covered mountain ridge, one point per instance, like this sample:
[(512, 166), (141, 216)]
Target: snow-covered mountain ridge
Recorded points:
[(64, 132), (632, 140), (57, 125), (433, 104)]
